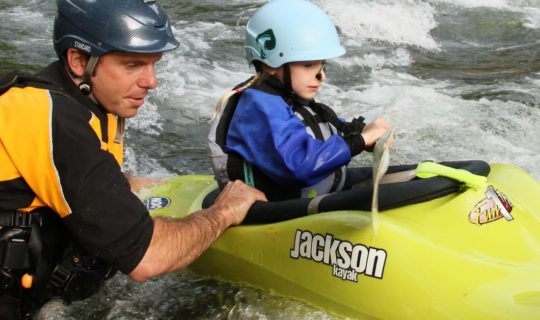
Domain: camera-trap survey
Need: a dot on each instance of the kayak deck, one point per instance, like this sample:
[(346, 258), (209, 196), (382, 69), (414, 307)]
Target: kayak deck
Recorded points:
[(428, 260)]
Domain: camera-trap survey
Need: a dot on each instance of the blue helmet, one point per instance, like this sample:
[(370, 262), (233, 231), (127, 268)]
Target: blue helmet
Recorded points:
[(99, 26), (285, 31)]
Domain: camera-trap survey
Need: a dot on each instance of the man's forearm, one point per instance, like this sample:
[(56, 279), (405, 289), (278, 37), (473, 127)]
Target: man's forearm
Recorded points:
[(178, 242)]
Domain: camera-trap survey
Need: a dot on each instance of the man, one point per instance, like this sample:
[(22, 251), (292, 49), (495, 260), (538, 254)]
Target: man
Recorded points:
[(68, 217)]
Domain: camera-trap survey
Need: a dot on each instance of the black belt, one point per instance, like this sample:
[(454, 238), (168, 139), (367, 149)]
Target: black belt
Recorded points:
[(17, 218)]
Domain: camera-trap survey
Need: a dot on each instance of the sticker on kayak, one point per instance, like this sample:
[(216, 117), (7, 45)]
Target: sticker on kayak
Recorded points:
[(493, 207), (155, 203), (347, 260)]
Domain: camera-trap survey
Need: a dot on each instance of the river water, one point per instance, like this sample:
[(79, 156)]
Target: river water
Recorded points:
[(460, 80)]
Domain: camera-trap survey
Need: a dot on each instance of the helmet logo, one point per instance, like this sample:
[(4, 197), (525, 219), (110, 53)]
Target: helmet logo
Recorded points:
[(266, 41), (82, 46)]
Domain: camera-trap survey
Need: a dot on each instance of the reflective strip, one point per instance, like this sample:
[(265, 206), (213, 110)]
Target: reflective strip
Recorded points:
[(248, 174), (313, 206), (115, 141)]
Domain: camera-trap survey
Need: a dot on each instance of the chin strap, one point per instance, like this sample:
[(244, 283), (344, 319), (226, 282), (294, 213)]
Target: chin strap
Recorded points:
[(287, 81), (292, 98), (86, 84)]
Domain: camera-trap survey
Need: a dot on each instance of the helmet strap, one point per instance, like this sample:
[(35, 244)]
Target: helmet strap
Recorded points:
[(293, 98), (86, 84), (287, 77)]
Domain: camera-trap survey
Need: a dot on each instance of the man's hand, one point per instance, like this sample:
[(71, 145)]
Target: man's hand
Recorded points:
[(235, 200)]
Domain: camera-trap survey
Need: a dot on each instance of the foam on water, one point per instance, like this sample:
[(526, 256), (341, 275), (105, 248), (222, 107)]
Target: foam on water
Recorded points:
[(435, 125), (198, 73), (475, 4), (436, 118), (399, 57), (35, 48), (497, 4), (532, 16), (397, 22)]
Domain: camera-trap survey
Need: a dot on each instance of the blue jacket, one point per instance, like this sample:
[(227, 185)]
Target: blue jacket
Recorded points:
[(265, 131)]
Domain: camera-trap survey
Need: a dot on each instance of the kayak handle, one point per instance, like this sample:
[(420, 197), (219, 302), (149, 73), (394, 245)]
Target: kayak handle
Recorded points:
[(431, 169)]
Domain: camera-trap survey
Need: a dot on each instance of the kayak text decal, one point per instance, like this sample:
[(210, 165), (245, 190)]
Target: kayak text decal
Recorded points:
[(493, 207), (346, 259)]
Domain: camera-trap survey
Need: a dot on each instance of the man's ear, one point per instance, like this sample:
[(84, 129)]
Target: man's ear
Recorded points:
[(76, 62)]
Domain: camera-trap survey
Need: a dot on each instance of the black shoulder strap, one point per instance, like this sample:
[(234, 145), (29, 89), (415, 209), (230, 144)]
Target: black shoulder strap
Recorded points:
[(327, 115), (19, 78), (323, 113), (311, 121), (225, 120)]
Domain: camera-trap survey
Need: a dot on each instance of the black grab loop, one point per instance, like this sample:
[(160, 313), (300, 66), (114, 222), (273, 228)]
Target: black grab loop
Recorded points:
[(391, 195), (15, 78)]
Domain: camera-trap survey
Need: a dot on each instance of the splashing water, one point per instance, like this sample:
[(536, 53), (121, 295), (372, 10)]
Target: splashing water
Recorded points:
[(461, 78)]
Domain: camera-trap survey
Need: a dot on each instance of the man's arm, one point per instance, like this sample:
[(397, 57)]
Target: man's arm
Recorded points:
[(137, 183), (178, 242)]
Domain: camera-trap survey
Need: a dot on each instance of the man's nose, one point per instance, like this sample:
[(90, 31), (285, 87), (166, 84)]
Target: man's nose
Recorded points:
[(149, 79)]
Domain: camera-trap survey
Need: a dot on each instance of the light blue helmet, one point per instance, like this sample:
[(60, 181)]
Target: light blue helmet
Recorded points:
[(285, 31)]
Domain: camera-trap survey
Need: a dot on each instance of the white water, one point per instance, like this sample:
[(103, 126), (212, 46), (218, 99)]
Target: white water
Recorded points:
[(434, 121), (460, 79)]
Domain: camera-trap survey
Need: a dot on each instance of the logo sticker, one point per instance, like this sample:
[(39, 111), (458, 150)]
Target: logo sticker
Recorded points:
[(347, 260), (155, 203), (495, 206), (82, 46), (266, 41)]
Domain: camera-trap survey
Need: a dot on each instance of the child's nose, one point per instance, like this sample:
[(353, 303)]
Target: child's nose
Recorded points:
[(321, 75)]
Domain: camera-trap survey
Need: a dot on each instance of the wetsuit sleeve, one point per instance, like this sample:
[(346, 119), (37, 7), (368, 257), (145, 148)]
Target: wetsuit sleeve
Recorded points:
[(267, 134)]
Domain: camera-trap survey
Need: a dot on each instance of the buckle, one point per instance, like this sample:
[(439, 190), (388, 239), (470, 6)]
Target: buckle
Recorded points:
[(59, 277), (16, 218)]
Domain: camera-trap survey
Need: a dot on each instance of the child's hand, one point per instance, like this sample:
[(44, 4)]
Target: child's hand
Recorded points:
[(373, 131)]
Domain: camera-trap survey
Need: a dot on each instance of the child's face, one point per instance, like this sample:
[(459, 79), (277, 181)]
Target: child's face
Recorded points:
[(306, 77)]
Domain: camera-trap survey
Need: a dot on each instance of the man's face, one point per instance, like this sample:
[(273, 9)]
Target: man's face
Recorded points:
[(121, 81)]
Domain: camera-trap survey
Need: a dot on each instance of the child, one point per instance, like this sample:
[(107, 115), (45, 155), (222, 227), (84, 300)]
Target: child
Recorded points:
[(271, 133)]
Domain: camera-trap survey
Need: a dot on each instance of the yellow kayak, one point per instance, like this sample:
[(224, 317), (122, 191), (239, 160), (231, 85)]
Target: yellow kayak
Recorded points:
[(471, 254)]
